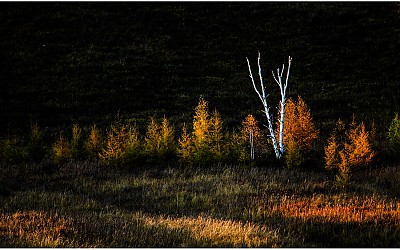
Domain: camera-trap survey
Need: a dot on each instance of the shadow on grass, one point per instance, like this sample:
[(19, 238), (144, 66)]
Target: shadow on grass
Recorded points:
[(311, 233)]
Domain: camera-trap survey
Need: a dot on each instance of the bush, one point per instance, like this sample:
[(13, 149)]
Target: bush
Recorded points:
[(348, 151), (394, 134), (10, 150), (235, 149)]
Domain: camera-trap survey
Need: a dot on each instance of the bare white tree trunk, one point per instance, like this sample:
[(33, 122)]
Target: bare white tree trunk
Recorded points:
[(278, 149), (251, 145), (282, 87)]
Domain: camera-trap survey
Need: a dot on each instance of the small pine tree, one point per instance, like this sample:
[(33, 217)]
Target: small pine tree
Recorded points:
[(394, 134), (132, 144), (185, 148), (94, 142), (159, 140), (357, 149), (152, 139), (76, 142), (201, 133), (332, 159), (216, 136), (206, 143), (62, 149), (352, 151), (114, 148), (168, 147), (201, 124)]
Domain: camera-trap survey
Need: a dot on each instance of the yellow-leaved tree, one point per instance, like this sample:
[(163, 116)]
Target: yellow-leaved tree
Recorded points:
[(299, 132), (185, 148), (159, 140), (114, 148), (216, 136), (205, 143), (62, 149), (152, 139), (122, 144), (201, 124)]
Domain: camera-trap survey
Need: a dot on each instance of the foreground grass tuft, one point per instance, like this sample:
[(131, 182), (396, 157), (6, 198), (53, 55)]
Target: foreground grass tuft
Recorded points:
[(34, 229)]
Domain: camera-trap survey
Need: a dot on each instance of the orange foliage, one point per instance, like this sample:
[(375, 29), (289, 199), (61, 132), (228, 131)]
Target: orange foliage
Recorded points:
[(352, 151), (299, 131), (338, 209), (250, 126), (251, 133), (299, 125), (357, 150)]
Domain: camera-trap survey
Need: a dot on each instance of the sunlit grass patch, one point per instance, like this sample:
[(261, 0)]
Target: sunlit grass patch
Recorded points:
[(340, 209), (217, 232), (34, 229)]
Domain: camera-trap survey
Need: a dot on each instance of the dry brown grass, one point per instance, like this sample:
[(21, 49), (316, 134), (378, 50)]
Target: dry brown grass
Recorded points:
[(218, 232), (34, 229)]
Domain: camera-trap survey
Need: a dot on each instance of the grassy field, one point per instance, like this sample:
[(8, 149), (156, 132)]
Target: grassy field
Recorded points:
[(90, 205), (65, 63)]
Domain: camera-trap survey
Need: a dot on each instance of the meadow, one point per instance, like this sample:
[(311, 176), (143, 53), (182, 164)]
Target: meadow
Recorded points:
[(95, 63)]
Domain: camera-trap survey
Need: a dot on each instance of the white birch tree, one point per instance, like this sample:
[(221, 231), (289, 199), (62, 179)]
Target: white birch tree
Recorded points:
[(282, 83)]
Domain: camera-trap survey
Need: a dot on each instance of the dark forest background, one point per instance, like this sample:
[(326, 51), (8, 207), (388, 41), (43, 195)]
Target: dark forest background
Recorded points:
[(63, 63)]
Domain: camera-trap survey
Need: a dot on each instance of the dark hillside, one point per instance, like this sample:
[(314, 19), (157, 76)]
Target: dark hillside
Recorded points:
[(84, 62)]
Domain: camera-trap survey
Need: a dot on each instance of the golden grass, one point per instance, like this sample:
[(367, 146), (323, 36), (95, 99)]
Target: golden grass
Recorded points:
[(34, 229), (218, 232), (338, 209)]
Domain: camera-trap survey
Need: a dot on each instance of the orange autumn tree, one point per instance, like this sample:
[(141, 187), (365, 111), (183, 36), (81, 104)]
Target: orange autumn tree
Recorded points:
[(348, 150), (299, 132)]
